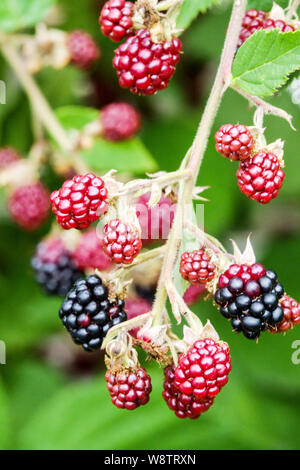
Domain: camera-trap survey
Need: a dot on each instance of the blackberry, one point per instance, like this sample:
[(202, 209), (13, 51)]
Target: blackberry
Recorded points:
[(250, 297), (88, 312), (54, 269)]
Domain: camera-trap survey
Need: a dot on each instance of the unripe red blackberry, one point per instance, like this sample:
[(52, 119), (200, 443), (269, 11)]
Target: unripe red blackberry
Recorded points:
[(194, 293), (260, 177), (8, 155), (203, 370), (54, 268), (291, 311), (134, 307), (88, 313), (129, 389), (155, 222), (116, 19), (196, 267), (144, 66), (280, 24), (89, 253), (29, 206), (250, 296), (184, 406), (234, 142), (79, 202), (120, 121), (253, 21), (122, 243), (83, 49)]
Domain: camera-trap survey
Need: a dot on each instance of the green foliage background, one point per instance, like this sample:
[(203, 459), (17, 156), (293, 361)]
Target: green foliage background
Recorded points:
[(47, 405)]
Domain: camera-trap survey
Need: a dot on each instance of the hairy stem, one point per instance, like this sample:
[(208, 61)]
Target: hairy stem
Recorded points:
[(221, 83), (39, 102)]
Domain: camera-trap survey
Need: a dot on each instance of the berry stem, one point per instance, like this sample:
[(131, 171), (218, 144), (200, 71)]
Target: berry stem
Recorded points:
[(267, 107), (292, 9), (194, 162)]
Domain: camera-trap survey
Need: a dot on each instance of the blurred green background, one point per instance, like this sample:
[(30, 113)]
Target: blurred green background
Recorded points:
[(53, 396)]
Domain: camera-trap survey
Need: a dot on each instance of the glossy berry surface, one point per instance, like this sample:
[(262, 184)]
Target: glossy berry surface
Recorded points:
[(146, 67), (129, 390), (54, 268), (122, 243), (196, 267), (79, 202), (250, 297), (252, 22), (116, 19), (135, 306), (89, 253), (260, 177), (184, 406), (155, 222), (83, 49), (203, 370), (234, 142), (8, 155), (88, 313), (255, 20), (29, 206), (291, 312), (120, 121)]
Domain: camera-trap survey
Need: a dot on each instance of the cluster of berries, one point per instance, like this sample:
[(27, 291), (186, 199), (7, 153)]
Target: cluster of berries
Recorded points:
[(119, 121), (291, 312), (129, 389), (250, 297), (201, 373), (88, 312), (255, 20), (259, 175), (142, 65)]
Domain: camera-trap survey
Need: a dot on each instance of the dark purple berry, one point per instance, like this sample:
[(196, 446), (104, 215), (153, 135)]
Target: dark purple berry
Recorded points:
[(265, 284), (236, 285), (236, 324), (257, 309), (243, 302), (233, 309), (277, 316), (270, 301), (250, 323), (252, 289), (225, 312)]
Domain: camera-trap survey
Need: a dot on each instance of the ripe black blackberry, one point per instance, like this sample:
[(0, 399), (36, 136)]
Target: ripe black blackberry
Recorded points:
[(54, 268), (88, 313), (249, 296)]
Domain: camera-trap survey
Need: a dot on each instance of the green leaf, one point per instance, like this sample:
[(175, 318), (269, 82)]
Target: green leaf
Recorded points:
[(190, 10), (265, 61), (127, 156), (265, 5), (19, 14)]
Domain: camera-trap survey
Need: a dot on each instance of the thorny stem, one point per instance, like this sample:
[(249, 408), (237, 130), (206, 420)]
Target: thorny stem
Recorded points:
[(267, 107), (37, 99), (221, 83)]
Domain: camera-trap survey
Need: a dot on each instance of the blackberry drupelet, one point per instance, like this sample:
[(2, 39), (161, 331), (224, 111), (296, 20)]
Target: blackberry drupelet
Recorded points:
[(54, 268), (88, 313), (250, 296)]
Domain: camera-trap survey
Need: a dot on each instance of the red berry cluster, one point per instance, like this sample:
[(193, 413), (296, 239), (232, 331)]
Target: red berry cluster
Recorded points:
[(83, 49), (258, 19), (201, 373), (89, 253), (80, 201), (29, 206), (291, 310), (116, 19), (260, 177), (234, 142), (184, 406), (122, 243), (8, 155), (120, 121), (196, 267), (144, 66), (127, 389)]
